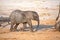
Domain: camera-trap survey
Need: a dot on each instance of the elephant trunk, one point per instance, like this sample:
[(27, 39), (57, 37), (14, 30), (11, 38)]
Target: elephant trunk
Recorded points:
[(38, 23)]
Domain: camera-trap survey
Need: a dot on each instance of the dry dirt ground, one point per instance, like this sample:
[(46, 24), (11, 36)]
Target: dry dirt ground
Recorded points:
[(44, 33)]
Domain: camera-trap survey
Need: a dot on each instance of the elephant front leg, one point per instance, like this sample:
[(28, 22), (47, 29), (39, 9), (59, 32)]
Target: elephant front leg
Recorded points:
[(24, 26), (30, 24)]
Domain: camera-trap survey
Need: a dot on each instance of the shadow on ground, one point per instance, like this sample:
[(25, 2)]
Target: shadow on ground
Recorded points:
[(41, 27)]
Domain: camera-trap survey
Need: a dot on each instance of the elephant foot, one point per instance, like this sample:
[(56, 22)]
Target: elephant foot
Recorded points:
[(31, 30), (22, 29), (14, 30), (11, 30)]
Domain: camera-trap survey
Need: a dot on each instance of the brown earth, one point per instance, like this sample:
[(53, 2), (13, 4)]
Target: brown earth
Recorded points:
[(48, 34)]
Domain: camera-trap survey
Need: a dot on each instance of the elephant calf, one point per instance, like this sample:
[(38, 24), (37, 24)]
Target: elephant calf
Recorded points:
[(18, 16)]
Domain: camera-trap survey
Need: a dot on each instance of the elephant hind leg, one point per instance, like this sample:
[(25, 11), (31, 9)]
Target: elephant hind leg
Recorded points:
[(15, 27), (11, 28)]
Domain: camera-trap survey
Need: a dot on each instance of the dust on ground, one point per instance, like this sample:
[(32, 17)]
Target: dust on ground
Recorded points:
[(44, 33)]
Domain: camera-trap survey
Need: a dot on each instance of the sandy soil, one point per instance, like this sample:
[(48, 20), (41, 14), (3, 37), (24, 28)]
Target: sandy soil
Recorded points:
[(44, 33)]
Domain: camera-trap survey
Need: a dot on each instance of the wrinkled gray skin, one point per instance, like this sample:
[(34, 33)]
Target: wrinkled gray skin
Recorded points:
[(18, 16)]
